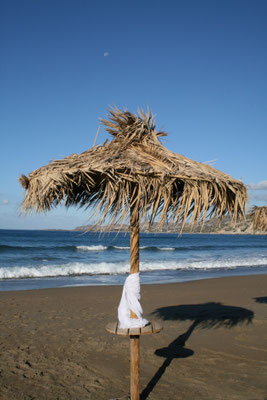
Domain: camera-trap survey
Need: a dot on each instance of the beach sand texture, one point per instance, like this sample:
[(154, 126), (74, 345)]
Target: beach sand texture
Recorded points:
[(214, 344)]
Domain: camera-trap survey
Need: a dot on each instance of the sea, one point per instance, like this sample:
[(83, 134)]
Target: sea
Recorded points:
[(34, 259)]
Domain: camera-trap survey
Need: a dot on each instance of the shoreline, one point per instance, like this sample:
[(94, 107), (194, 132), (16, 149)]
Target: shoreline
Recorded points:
[(213, 346), (120, 285), (120, 279)]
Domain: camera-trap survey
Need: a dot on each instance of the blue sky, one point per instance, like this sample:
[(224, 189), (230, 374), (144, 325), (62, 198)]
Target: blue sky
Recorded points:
[(200, 66)]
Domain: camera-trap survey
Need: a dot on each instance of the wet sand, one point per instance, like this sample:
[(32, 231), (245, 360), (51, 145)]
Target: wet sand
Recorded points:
[(54, 344)]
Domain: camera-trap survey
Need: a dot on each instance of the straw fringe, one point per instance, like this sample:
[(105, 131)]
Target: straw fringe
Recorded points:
[(259, 218), (134, 168)]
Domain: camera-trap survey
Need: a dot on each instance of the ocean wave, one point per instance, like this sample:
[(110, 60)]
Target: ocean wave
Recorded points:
[(121, 247), (70, 269), (166, 248), (148, 248), (109, 268), (92, 248), (102, 247)]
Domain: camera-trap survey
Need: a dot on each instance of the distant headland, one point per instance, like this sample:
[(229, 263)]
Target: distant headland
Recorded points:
[(212, 226)]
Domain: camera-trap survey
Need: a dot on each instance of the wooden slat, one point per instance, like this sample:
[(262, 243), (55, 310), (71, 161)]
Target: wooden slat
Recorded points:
[(123, 332), (146, 330), (156, 326), (153, 327), (134, 331), (112, 327)]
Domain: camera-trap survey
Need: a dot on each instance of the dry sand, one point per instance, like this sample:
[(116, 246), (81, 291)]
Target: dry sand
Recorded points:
[(213, 346)]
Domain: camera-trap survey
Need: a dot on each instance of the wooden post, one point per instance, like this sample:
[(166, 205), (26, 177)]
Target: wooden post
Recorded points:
[(134, 226), (134, 339), (134, 366)]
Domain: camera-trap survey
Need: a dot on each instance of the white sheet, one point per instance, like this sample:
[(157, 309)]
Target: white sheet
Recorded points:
[(130, 301)]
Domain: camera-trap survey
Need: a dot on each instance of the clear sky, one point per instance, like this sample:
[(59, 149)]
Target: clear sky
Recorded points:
[(200, 65)]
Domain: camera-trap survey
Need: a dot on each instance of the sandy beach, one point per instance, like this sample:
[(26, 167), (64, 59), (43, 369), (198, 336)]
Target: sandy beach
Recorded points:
[(214, 344)]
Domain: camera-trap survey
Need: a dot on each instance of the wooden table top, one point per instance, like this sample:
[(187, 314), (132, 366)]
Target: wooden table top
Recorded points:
[(152, 327)]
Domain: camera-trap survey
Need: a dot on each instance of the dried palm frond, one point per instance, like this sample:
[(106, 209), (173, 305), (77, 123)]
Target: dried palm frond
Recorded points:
[(259, 218), (135, 171)]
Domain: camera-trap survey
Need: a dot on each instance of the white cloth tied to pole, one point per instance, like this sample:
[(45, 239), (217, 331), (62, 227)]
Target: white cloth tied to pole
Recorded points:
[(130, 302)]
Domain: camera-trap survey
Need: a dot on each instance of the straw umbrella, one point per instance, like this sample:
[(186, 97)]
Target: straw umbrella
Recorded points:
[(259, 218), (135, 175)]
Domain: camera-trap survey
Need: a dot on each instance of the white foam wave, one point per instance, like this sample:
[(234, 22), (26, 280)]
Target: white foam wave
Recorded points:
[(204, 264), (92, 248), (70, 269), (122, 247), (76, 269), (166, 248)]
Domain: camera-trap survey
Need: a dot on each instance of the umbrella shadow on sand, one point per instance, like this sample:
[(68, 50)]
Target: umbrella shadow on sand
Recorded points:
[(260, 299), (205, 316)]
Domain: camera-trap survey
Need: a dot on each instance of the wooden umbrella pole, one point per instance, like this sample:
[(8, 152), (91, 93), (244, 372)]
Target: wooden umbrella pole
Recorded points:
[(134, 366), (134, 339), (134, 226)]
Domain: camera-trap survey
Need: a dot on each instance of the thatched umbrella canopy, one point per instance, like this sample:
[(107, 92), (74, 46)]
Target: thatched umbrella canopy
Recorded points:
[(135, 174), (135, 171), (259, 218)]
